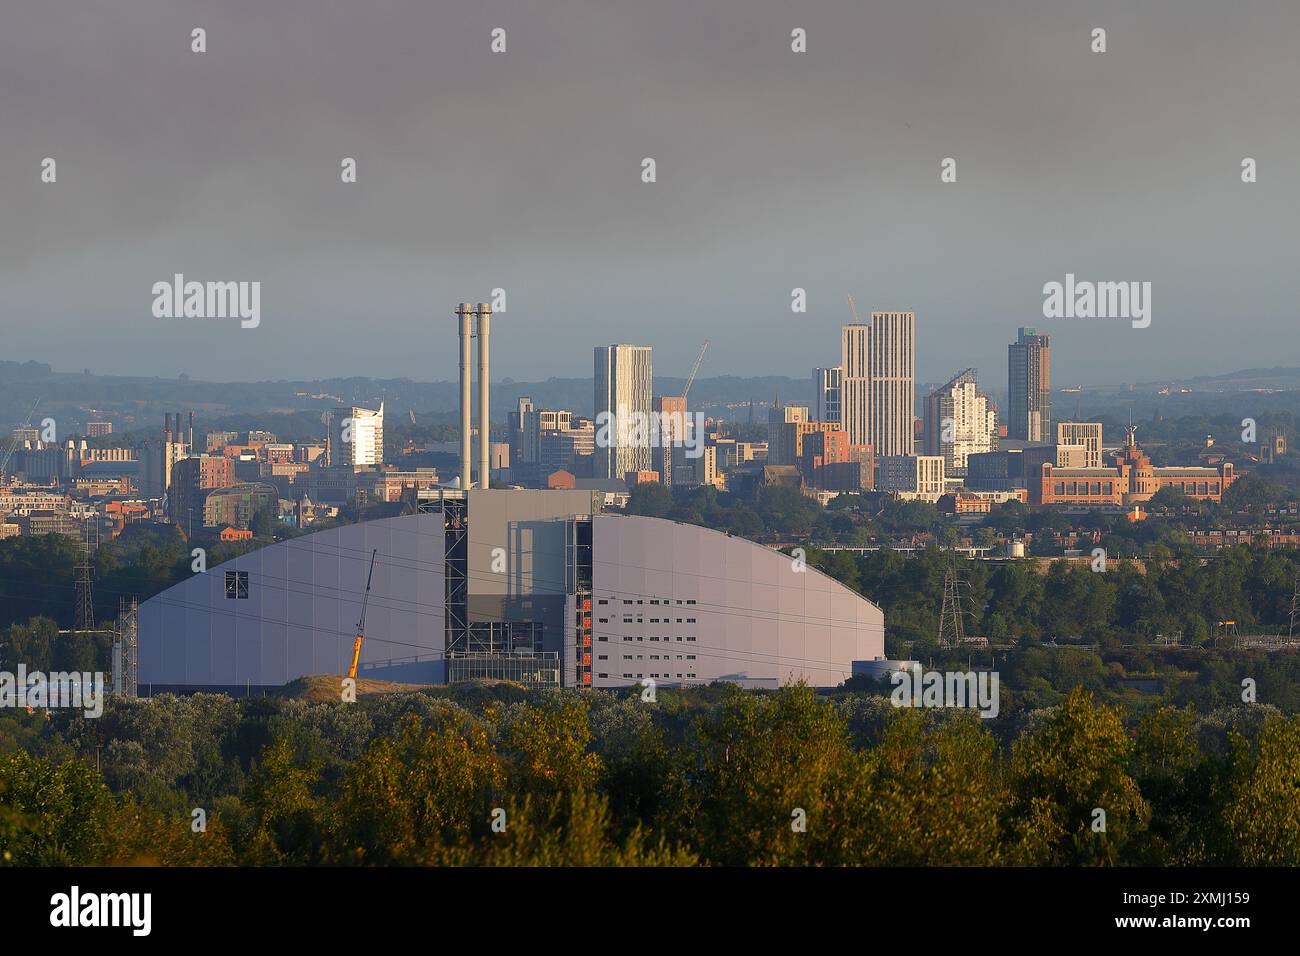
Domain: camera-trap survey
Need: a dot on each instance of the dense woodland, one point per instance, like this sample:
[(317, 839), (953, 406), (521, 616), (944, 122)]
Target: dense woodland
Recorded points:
[(714, 776)]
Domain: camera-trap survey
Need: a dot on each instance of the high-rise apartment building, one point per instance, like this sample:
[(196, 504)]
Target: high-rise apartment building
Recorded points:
[(878, 382), (826, 387), (1029, 387), (98, 429), (356, 437), (624, 385), (959, 421)]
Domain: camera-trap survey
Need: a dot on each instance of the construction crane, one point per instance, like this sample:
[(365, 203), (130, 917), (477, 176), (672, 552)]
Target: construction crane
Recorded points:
[(13, 445), (361, 624), (854, 309), (690, 380)]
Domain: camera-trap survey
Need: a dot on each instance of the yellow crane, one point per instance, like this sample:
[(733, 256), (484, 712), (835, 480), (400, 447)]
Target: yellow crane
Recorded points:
[(361, 624)]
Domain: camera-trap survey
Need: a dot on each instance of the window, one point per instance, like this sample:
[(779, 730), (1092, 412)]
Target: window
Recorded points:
[(690, 657), (603, 601), (602, 657), (602, 638), (654, 600), (690, 620), (690, 638), (236, 585), (604, 620), (602, 675), (690, 600), (627, 600)]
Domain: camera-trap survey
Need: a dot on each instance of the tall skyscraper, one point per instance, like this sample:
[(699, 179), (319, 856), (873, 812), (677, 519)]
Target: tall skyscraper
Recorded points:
[(878, 382), (357, 437), (959, 421), (1029, 387), (624, 384), (826, 386)]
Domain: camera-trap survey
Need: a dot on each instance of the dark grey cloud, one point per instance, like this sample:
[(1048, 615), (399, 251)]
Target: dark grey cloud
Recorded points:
[(521, 170)]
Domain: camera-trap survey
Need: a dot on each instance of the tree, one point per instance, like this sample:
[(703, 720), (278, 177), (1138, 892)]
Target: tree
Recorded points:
[(1074, 763), (651, 499), (1169, 498), (1260, 815)]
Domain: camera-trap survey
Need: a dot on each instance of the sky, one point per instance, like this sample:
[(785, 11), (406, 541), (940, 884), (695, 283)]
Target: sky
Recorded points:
[(522, 171)]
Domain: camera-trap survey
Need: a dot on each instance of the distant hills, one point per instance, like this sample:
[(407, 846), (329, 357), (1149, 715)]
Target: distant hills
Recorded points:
[(139, 402)]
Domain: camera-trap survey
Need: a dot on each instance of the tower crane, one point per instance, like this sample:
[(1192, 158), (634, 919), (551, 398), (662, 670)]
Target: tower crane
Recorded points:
[(854, 309), (695, 368), (361, 624), (13, 445)]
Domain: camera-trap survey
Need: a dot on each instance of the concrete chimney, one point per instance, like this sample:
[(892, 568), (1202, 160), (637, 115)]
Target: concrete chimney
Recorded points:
[(466, 314), (190, 449), (484, 433)]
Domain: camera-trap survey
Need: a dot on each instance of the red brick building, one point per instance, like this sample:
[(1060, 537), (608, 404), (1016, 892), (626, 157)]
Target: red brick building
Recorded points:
[(1130, 479)]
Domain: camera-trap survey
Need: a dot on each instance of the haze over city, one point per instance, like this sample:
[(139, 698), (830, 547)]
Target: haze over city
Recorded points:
[(774, 171)]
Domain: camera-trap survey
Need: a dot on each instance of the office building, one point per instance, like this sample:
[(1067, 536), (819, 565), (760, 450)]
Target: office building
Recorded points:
[(1078, 444), (912, 477), (781, 439)]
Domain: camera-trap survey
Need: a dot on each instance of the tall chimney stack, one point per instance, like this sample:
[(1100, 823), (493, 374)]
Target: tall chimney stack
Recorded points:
[(484, 433), (466, 314), (190, 449)]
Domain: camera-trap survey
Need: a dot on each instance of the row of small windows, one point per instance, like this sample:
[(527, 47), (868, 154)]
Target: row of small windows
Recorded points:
[(652, 601), (652, 675), (653, 620), (1081, 488), (655, 657)]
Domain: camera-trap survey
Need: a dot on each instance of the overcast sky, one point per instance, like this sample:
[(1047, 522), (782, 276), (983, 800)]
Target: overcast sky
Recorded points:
[(522, 170)]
